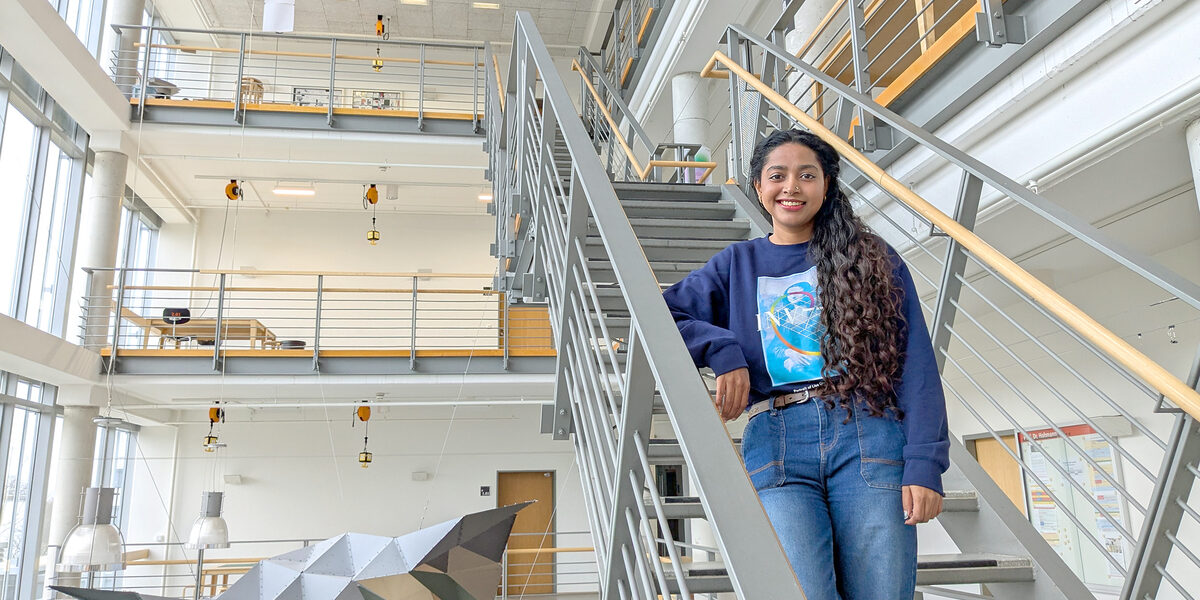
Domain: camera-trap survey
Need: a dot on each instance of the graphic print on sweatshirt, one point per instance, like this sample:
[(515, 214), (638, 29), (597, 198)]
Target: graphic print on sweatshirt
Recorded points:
[(789, 322)]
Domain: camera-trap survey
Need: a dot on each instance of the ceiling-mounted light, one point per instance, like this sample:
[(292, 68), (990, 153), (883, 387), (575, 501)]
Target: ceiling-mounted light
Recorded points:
[(486, 5), (485, 197), (279, 15), (415, 2), (293, 191), (209, 529), (95, 544)]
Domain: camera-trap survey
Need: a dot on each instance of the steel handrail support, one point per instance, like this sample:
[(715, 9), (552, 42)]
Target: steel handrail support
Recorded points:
[(116, 339), (739, 523), (1121, 351), (217, 330), (238, 109), (145, 72), (317, 325), (332, 73), (1166, 506), (412, 329)]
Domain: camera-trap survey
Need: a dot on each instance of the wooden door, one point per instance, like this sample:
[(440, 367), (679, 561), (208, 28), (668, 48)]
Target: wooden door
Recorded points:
[(1002, 467), (530, 568)]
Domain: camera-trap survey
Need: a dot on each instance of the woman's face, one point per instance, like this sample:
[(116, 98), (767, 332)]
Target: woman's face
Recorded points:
[(792, 187)]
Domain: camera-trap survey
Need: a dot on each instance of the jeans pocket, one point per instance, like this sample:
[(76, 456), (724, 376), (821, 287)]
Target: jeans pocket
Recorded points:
[(762, 450), (881, 450)]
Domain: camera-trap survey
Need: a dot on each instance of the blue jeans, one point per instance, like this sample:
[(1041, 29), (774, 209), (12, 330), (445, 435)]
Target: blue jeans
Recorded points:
[(832, 491)]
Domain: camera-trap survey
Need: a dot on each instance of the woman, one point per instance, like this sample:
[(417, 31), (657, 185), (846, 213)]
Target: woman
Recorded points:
[(818, 327)]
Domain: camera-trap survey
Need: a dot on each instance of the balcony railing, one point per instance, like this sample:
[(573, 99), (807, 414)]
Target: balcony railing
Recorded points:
[(240, 71), (196, 312)]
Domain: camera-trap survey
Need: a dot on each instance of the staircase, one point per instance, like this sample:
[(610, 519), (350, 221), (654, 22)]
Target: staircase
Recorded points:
[(599, 250)]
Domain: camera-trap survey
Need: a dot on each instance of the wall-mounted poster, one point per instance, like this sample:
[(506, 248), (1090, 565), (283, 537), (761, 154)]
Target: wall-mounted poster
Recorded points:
[(1092, 500), (303, 96)]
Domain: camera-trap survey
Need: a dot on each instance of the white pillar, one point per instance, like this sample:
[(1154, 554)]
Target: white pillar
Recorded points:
[(114, 45), (689, 107), (1193, 145), (76, 454), (807, 18), (100, 220)]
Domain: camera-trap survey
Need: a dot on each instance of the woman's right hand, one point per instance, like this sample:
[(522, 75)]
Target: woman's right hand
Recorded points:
[(733, 392)]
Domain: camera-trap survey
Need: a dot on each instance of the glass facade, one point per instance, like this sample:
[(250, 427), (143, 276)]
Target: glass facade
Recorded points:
[(42, 155), (27, 428)]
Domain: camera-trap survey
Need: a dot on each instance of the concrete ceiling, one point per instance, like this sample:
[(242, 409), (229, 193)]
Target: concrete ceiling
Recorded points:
[(426, 174), (561, 22)]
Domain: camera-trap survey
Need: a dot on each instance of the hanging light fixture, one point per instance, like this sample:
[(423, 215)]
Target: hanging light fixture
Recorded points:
[(371, 200), (209, 529), (95, 544), (216, 414), (363, 413)]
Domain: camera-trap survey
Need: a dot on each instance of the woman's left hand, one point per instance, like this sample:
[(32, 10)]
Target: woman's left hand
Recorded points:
[(921, 504)]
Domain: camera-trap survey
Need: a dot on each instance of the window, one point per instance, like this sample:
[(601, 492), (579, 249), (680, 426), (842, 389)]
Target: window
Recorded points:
[(27, 426), (84, 18), (41, 164), (18, 147)]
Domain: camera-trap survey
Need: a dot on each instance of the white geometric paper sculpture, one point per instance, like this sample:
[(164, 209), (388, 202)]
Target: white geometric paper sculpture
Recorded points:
[(455, 560)]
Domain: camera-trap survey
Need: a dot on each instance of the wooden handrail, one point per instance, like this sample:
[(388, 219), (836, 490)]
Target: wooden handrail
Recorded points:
[(499, 86), (209, 288), (1106, 341), (642, 172), (348, 274), (292, 53)]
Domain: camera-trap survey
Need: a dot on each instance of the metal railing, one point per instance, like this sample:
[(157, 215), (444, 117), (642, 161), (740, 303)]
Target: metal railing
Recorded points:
[(880, 47), (619, 150), (298, 73), (609, 390), (628, 38), (306, 311), (1079, 403), (169, 569)]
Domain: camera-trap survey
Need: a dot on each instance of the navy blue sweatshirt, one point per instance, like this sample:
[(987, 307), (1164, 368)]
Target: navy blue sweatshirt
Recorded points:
[(755, 305)]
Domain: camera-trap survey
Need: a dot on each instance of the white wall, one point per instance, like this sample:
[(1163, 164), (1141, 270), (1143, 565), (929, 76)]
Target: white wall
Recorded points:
[(301, 478)]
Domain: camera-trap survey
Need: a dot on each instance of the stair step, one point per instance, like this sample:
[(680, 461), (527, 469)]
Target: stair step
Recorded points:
[(667, 451), (950, 569), (667, 272), (678, 209), (667, 191), (671, 229), (932, 569), (960, 501), (679, 507), (657, 250)]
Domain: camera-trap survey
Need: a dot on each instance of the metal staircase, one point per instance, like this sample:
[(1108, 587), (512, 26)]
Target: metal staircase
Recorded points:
[(575, 232)]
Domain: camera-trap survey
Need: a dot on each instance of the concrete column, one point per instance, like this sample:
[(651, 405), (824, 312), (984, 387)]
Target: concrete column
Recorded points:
[(76, 453), (1193, 145), (807, 18), (689, 107), (117, 51), (99, 234)]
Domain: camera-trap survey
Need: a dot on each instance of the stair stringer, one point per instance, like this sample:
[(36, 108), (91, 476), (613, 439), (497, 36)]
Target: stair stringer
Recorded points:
[(999, 527)]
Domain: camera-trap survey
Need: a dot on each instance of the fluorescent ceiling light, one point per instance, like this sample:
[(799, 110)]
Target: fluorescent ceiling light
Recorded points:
[(487, 5), (415, 2), (485, 197), (294, 191)]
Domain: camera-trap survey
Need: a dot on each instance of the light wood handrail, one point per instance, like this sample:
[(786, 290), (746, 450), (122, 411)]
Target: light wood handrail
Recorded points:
[(1106, 341), (209, 288), (347, 274), (499, 85), (642, 172), (291, 53)]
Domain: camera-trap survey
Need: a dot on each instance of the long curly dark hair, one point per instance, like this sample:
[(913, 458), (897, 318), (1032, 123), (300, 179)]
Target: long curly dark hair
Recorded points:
[(864, 329)]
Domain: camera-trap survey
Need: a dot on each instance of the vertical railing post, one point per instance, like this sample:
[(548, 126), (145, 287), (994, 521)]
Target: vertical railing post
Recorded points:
[(955, 264), (317, 324), (238, 109), (412, 330), (865, 134), (504, 575), (332, 73), (507, 328), (199, 572), (217, 366), (86, 310), (421, 91), (116, 339), (733, 45), (475, 92), (145, 71)]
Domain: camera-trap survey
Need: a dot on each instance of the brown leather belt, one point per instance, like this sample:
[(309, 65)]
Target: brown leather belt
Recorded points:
[(783, 400)]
